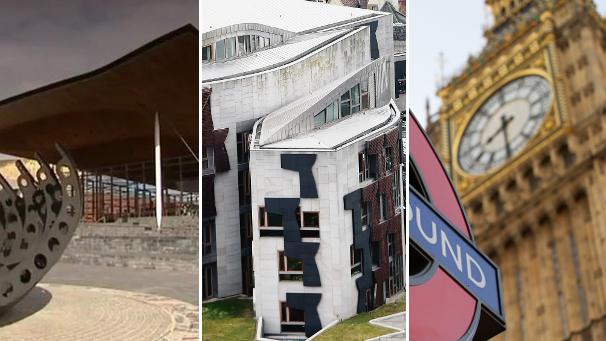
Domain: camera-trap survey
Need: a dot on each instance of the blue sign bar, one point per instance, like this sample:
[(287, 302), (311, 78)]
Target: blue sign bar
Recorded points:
[(454, 253)]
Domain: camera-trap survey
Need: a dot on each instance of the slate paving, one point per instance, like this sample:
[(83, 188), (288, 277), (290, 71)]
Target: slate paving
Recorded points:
[(395, 321), (80, 313), (86, 302)]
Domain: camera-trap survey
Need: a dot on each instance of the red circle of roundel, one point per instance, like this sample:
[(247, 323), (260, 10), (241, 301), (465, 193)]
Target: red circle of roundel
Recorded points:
[(440, 309)]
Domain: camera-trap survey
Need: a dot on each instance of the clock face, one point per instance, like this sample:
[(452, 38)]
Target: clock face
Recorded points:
[(504, 124)]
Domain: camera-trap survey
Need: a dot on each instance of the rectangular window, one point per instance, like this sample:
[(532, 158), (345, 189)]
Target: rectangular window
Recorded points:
[(332, 112), (364, 209), (208, 162), (388, 152), (290, 315), (244, 187), (269, 219), (289, 264), (243, 144), (220, 50), (311, 219), (208, 280), (375, 251), (208, 232), (320, 118), (230, 47), (204, 159), (364, 94), (382, 207), (241, 48), (290, 269), (345, 104), (395, 187), (244, 45), (363, 167), (356, 260), (207, 52), (355, 98)]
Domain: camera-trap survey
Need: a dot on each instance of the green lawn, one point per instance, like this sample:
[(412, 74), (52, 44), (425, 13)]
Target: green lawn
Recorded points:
[(357, 328), (230, 319)]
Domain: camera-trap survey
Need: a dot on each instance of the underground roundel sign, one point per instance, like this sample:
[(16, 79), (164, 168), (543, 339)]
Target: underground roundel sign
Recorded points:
[(455, 290)]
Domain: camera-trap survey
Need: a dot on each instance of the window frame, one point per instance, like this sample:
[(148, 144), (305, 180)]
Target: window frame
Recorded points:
[(208, 242), (356, 267), (364, 173), (265, 216), (287, 319), (342, 101), (320, 122), (335, 111), (209, 49), (208, 157), (304, 225), (220, 52), (389, 159), (364, 95), (365, 214), (355, 91), (395, 187), (286, 274), (244, 46), (382, 207), (229, 45), (375, 251)]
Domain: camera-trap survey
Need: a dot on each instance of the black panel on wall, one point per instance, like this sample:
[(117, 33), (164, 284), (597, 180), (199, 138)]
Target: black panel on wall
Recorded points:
[(361, 240), (293, 246), (303, 164), (308, 303)]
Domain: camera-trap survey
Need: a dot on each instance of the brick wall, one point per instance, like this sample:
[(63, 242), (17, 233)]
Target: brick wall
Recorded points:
[(383, 185)]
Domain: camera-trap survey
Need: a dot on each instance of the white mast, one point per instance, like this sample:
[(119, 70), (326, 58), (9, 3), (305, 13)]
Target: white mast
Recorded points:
[(158, 167)]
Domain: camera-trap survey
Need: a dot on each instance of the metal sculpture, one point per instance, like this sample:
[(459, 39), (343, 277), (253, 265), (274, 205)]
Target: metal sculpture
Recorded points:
[(37, 222)]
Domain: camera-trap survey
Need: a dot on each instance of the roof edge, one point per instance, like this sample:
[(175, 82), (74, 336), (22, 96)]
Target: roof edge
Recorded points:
[(181, 30)]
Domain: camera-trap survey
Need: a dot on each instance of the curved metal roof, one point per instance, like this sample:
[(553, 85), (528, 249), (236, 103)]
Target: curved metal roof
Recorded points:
[(285, 53), (296, 16)]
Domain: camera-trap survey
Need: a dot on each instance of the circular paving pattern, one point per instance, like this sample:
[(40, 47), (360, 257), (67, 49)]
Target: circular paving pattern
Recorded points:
[(53, 312)]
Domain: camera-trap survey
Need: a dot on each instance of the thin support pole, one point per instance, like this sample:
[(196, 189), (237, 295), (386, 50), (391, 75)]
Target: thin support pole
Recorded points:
[(158, 167)]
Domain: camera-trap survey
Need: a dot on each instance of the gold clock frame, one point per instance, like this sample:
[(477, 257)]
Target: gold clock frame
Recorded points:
[(551, 121)]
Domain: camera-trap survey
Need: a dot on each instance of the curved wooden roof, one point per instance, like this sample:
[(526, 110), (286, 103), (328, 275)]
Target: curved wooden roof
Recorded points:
[(106, 116)]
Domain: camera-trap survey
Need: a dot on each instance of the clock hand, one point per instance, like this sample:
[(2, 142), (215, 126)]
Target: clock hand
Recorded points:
[(504, 123), (489, 140)]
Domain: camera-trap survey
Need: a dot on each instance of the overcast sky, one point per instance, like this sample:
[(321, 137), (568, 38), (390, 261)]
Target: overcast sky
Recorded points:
[(451, 27), (44, 41)]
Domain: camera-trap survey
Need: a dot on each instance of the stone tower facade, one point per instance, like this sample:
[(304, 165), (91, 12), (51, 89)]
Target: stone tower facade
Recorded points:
[(522, 131)]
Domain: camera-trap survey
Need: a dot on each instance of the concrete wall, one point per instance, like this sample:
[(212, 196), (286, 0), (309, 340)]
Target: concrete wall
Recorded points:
[(175, 248), (336, 174), (250, 98)]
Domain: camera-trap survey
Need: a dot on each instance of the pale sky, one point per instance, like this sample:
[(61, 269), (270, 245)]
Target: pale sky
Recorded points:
[(451, 27), (45, 41)]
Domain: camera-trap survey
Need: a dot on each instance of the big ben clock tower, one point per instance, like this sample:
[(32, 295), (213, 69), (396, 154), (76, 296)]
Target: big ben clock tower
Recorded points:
[(522, 131)]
